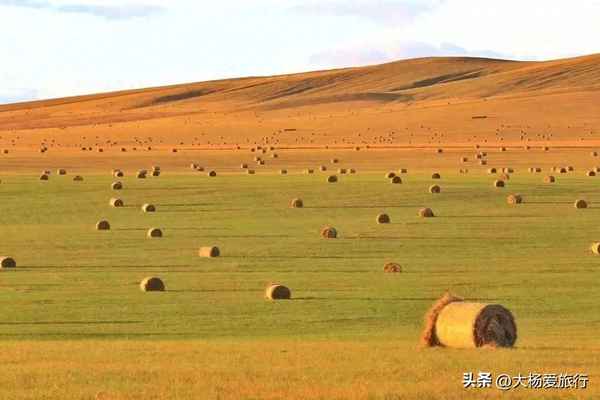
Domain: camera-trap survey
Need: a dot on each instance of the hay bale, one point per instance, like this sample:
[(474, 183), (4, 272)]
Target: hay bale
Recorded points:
[(594, 154), (209, 252), (118, 174), (581, 204), (116, 202), (309, 171), (274, 155), (141, 174), (154, 233), (434, 189), (283, 172), (116, 186), (335, 161), (426, 213), (322, 168), (563, 170), (78, 178), (436, 175), (61, 171), (102, 225), (403, 171), (503, 149), (390, 175), (278, 292), (505, 177), (383, 219), (244, 166), (332, 179), (482, 162), (396, 180), (152, 284), (549, 179), (194, 166), (464, 159), (571, 169), (148, 208), (342, 171), (595, 247), (297, 203), (212, 173), (329, 232), (590, 173), (499, 183), (514, 199), (352, 170), (439, 151), (453, 322), (7, 262), (44, 177), (492, 170), (392, 268), (156, 173), (250, 172)]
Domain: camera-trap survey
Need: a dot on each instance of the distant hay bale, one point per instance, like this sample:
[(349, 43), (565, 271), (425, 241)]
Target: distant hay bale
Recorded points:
[(594, 154), (44, 177), (482, 162), (274, 155), (390, 175), (463, 171), (505, 177), (194, 166), (278, 292), (209, 252), (352, 170), (595, 247), (116, 202), (581, 204), (439, 151), (453, 322), (383, 219), (590, 173), (436, 175), (342, 171), (61, 171), (503, 149), (492, 170), (212, 173), (7, 262), (499, 183), (464, 159), (571, 169), (309, 171), (335, 161), (155, 173), (78, 178), (244, 166), (328, 232), (514, 199), (154, 233), (537, 170), (297, 203), (403, 170), (392, 268), (396, 180), (257, 158), (562, 170), (508, 170), (141, 174), (152, 284), (283, 172), (332, 179), (250, 171), (322, 168), (549, 179), (116, 186), (200, 168), (118, 174), (148, 208), (173, 150), (426, 213), (102, 225), (545, 148), (434, 189)]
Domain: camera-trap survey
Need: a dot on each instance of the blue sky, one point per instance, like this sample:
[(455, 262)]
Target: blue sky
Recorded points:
[(56, 48)]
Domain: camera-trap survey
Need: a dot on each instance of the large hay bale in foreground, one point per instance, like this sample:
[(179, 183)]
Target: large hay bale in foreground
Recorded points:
[(209, 252), (435, 189), (332, 179), (102, 225), (297, 203), (392, 267), (152, 284), (154, 233), (116, 202), (514, 199), (148, 208), (329, 232), (453, 322), (426, 213), (581, 204), (7, 262), (278, 292), (383, 219), (116, 186)]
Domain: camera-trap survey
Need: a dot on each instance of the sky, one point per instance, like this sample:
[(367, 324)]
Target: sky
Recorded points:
[(58, 48)]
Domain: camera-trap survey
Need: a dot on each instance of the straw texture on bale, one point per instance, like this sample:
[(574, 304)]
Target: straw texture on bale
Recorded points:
[(209, 252), (278, 292), (329, 233), (147, 208), (103, 225), (7, 262), (581, 204), (154, 233), (383, 219), (426, 213), (453, 322), (435, 189), (514, 199), (392, 267), (152, 284)]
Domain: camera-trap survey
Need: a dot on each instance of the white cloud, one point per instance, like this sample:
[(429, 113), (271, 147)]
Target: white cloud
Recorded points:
[(114, 11)]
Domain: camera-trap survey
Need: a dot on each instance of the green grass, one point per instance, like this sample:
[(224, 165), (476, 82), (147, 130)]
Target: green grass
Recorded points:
[(77, 284)]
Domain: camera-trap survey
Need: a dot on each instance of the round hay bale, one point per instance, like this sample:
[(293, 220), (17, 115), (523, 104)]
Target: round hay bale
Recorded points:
[(116, 202), (453, 322), (44, 177), (545, 148), (390, 175), (396, 180), (335, 161), (156, 172), (503, 149), (383, 219), (571, 169), (562, 170), (392, 268), (322, 168), (581, 204), (332, 179), (102, 225), (78, 178), (61, 171), (590, 173), (436, 175), (116, 186), (309, 171), (499, 183), (403, 171), (439, 151), (594, 154), (595, 247), (492, 170), (141, 174), (482, 162), (278, 292), (209, 252), (434, 189), (261, 162), (250, 172), (426, 213), (283, 172), (152, 284), (154, 233), (352, 171), (549, 179), (244, 166), (342, 171), (514, 199), (118, 174), (297, 203), (200, 168), (212, 173), (173, 150), (464, 159), (274, 155), (148, 208), (194, 166), (7, 262), (328, 232)]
